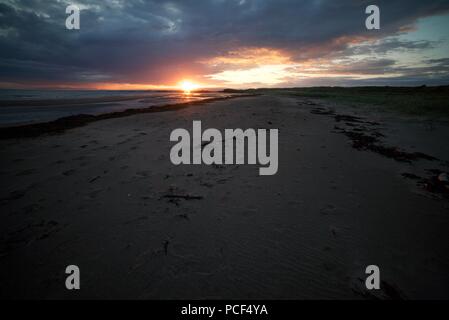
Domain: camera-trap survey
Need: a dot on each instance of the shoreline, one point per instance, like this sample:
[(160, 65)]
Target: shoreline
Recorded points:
[(62, 124), (69, 101)]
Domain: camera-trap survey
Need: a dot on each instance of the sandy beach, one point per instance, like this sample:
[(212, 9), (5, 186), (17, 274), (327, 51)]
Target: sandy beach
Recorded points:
[(98, 196)]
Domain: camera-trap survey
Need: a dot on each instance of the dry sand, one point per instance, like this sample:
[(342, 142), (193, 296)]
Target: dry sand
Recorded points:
[(94, 197)]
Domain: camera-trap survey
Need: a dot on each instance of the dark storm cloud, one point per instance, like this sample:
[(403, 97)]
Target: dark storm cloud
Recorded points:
[(143, 41), (431, 68), (392, 44)]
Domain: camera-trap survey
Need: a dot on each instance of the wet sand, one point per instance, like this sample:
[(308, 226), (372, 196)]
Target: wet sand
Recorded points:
[(96, 196)]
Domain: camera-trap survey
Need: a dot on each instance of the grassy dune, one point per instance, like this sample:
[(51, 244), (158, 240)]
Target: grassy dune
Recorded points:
[(425, 101)]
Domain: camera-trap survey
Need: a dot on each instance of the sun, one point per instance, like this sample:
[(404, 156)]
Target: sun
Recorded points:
[(187, 86)]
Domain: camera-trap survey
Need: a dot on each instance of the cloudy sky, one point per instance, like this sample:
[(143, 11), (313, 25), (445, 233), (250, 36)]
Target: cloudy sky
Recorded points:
[(126, 44)]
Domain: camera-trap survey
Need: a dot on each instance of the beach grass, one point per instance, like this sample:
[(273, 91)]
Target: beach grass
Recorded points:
[(418, 101)]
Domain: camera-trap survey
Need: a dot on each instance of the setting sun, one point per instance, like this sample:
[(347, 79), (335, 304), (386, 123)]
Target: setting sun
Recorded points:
[(188, 86)]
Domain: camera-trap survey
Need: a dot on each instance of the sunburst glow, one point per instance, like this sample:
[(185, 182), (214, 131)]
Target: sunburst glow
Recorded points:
[(188, 86)]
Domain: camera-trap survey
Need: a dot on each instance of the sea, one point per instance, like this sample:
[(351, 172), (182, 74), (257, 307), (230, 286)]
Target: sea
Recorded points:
[(18, 107)]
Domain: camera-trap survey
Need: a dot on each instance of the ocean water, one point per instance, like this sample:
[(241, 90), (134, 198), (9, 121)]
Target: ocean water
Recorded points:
[(34, 106)]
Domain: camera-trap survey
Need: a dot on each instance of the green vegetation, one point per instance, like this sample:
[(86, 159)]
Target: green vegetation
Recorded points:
[(423, 101)]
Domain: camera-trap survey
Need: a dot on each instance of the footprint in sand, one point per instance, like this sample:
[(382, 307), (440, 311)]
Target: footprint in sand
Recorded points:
[(29, 233), (94, 194), (30, 208), (101, 148), (142, 174), (69, 172), (136, 220), (51, 227), (26, 172), (122, 142), (334, 230), (183, 216), (14, 195), (94, 179), (206, 184), (327, 210)]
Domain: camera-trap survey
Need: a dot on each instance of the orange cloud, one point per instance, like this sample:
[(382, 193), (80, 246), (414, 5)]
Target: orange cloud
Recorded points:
[(251, 66), (249, 57)]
